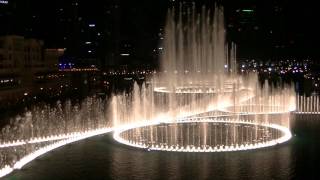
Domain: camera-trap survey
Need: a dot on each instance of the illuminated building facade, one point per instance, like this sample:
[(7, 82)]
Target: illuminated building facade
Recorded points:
[(22, 62)]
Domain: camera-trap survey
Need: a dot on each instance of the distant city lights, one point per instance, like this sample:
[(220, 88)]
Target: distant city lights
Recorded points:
[(4, 2), (247, 10), (92, 25), (79, 69), (63, 66), (6, 80)]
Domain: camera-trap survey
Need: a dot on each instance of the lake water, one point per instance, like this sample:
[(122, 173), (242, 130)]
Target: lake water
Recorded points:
[(102, 158)]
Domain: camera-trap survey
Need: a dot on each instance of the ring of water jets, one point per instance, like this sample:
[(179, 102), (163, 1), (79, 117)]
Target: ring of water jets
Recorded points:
[(228, 127), (196, 103), (203, 134), (208, 106)]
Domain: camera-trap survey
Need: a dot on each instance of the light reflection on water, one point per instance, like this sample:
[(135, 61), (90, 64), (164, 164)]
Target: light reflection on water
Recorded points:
[(102, 158)]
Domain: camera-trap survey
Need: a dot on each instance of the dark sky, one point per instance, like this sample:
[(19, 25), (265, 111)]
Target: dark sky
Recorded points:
[(294, 25)]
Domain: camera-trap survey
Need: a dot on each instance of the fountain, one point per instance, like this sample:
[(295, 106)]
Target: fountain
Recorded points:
[(308, 105), (197, 103), (46, 127)]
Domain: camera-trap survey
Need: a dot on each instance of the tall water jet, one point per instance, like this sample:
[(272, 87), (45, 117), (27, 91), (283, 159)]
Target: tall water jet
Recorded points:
[(197, 103), (200, 94)]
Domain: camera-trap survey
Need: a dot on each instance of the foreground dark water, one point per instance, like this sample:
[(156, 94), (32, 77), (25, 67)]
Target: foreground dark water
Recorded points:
[(102, 158)]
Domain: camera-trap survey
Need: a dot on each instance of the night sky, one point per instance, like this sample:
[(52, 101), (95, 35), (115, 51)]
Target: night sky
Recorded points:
[(275, 29)]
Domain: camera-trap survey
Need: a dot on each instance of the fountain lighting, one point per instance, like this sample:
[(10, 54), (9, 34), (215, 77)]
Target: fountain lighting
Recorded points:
[(33, 155), (198, 90), (51, 138), (199, 84), (286, 135), (308, 105)]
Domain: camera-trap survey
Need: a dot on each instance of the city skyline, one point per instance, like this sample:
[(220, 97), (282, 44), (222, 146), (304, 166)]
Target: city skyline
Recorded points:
[(101, 33), (163, 89)]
